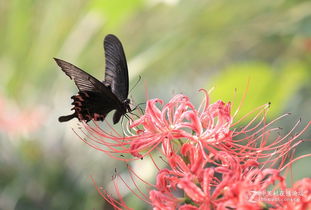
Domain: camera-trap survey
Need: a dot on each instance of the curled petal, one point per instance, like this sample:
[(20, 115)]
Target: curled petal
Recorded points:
[(166, 201), (191, 189)]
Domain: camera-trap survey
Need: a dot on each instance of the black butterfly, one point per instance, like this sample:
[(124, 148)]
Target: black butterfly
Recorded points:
[(96, 99)]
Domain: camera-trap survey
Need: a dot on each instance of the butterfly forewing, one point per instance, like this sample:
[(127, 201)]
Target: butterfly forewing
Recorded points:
[(83, 80), (116, 75)]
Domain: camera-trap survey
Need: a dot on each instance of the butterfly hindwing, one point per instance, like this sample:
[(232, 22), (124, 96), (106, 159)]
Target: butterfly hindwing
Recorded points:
[(94, 100), (116, 75)]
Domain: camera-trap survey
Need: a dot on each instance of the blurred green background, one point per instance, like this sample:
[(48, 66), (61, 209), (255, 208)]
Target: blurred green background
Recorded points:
[(177, 46)]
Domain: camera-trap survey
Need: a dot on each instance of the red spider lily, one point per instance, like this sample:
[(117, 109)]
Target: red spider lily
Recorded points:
[(211, 163), (298, 197), (178, 119), (228, 184)]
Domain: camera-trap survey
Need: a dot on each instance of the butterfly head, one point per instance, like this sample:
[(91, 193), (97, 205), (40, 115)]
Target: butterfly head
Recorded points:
[(126, 104), (122, 111)]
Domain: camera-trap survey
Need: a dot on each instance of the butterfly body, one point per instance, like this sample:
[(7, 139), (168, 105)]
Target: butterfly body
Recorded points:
[(96, 99)]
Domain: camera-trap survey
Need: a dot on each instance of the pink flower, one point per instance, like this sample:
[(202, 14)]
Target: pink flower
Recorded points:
[(14, 121), (163, 200), (298, 197), (211, 164), (178, 119), (161, 126), (228, 184)]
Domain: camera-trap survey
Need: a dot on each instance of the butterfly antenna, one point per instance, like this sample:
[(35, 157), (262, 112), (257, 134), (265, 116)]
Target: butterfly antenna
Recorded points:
[(136, 83)]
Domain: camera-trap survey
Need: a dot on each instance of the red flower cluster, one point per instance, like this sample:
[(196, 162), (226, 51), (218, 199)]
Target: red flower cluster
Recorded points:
[(210, 163)]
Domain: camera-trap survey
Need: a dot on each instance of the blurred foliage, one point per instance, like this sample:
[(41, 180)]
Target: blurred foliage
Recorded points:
[(275, 90), (176, 46)]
